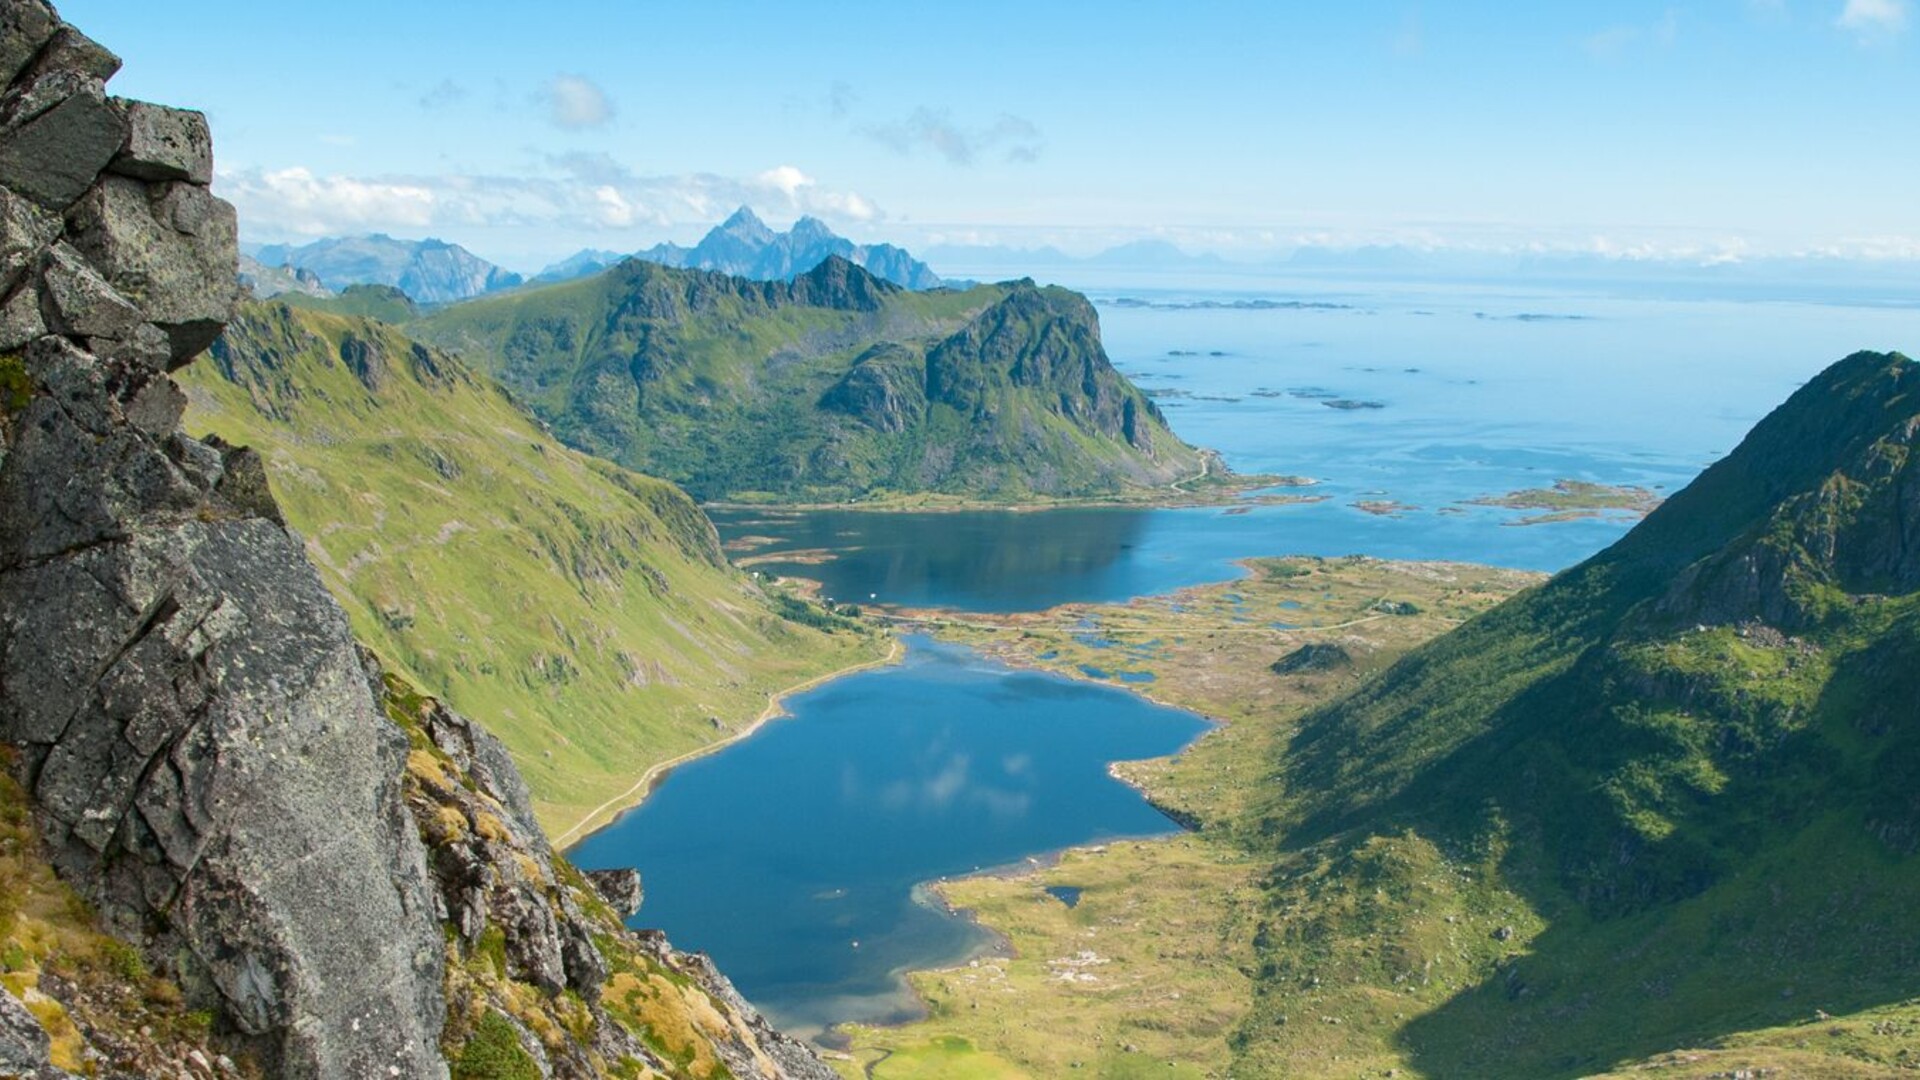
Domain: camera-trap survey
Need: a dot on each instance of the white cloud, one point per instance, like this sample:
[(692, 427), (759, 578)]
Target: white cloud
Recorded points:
[(785, 179), (802, 193), (576, 103), (1874, 18), (576, 193), (309, 205), (1015, 138), (615, 211)]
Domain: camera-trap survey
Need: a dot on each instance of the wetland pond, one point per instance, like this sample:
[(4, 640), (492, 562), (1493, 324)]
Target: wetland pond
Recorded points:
[(797, 858)]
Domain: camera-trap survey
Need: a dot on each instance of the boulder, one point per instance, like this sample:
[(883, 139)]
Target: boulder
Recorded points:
[(620, 888), (25, 28), (20, 320), (57, 131), (165, 144), (26, 231), (79, 302), (170, 248), (25, 1049), (69, 50)]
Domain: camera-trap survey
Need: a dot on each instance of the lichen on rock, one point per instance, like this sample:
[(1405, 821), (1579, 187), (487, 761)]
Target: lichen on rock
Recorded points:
[(344, 878)]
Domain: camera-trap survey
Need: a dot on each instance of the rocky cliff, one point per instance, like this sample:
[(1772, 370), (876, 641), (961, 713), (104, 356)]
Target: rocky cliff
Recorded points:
[(834, 385), (187, 717)]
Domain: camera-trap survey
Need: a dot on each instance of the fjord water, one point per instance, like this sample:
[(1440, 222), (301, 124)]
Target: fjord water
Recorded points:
[(795, 858), (1479, 392), (779, 853)]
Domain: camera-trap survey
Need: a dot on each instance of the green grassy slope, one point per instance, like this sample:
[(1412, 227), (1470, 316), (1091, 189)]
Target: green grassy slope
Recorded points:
[(582, 612), (1663, 799), (836, 385)]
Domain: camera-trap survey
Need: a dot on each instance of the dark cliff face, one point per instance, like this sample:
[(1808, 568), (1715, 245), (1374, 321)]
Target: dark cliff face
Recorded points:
[(191, 727), (206, 763)]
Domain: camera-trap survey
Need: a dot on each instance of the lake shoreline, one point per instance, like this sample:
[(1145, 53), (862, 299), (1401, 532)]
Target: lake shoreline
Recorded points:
[(629, 800), (1223, 491)]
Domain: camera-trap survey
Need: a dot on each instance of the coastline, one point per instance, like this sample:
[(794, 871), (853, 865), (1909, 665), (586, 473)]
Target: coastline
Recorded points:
[(1222, 491), (613, 809)]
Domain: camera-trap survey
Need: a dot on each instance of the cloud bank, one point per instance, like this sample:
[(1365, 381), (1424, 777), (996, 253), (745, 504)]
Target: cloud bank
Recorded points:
[(579, 192)]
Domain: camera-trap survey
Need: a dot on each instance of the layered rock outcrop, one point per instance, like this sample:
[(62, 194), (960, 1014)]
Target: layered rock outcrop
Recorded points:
[(205, 757), (207, 765)]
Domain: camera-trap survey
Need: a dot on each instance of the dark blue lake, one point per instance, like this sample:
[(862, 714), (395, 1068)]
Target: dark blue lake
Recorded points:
[(1481, 391), (795, 857), (780, 853)]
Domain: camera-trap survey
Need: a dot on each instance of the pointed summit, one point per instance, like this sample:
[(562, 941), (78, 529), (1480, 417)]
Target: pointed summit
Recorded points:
[(810, 230), (745, 225), (744, 246)]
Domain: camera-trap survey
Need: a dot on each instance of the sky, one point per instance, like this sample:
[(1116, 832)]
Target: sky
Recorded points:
[(1708, 130)]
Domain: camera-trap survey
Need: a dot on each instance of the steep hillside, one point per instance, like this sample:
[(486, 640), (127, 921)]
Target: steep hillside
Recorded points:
[(1665, 798), (833, 386), (230, 845), (583, 611)]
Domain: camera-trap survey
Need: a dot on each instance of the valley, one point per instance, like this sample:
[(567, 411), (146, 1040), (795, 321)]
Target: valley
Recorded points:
[(1385, 611)]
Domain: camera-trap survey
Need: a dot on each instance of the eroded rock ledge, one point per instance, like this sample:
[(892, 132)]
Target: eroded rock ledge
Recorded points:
[(319, 860)]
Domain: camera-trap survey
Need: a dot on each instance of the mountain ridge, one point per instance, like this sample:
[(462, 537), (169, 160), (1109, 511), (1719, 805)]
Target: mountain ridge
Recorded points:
[(1707, 724), (607, 631), (430, 271), (834, 385), (745, 246)]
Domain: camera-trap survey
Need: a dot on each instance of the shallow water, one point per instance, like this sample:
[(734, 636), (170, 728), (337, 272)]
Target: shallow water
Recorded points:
[(781, 853), (793, 857), (1481, 393)]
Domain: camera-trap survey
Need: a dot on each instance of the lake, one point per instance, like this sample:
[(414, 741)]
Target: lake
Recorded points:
[(782, 852), (795, 858), (1479, 393)]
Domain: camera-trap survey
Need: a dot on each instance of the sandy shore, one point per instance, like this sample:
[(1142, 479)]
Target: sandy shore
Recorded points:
[(607, 812)]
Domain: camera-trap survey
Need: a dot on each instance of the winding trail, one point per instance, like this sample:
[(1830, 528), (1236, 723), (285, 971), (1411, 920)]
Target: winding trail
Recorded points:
[(775, 708), (1206, 467)]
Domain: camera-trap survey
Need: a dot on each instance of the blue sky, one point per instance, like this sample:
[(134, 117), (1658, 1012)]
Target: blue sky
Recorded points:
[(528, 131)]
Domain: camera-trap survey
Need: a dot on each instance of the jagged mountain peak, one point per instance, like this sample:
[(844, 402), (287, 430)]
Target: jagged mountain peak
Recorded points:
[(744, 219), (745, 246), (431, 271)]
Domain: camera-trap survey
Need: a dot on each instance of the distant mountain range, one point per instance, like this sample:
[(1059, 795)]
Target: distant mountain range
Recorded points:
[(268, 281), (430, 271), (744, 246)]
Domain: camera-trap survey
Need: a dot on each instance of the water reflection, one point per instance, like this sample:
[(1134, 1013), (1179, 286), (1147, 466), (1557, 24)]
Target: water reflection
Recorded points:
[(793, 857)]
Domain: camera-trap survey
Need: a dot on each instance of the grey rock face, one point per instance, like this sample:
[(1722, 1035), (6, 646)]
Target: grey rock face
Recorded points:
[(171, 248), (25, 27), (165, 144), (621, 889), (55, 137), (24, 1045), (207, 764)]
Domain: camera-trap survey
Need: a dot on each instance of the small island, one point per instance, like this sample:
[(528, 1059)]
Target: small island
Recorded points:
[(1575, 500)]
